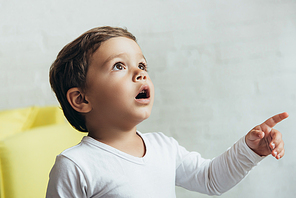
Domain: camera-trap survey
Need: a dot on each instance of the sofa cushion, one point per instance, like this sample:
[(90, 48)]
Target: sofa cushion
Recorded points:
[(19, 120), (14, 121), (26, 158)]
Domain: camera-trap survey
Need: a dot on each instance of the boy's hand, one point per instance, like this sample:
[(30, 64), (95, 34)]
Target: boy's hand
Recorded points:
[(265, 140)]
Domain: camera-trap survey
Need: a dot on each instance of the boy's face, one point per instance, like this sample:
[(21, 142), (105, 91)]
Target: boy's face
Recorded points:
[(118, 87)]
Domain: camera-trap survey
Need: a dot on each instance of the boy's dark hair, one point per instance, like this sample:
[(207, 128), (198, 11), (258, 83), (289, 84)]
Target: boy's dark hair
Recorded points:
[(71, 65)]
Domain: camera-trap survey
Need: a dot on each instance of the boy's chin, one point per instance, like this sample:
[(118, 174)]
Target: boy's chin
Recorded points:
[(146, 115)]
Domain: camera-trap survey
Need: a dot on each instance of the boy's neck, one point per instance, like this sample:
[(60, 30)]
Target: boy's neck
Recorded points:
[(112, 134), (127, 141)]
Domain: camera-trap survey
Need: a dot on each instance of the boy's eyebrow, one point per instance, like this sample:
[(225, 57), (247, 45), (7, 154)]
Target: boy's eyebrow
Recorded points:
[(120, 55)]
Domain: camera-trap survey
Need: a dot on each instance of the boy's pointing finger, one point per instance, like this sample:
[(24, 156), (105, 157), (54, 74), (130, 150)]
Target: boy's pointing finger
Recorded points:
[(271, 122)]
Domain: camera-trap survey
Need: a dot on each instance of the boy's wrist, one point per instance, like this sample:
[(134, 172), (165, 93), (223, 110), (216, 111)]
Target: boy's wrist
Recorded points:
[(255, 157)]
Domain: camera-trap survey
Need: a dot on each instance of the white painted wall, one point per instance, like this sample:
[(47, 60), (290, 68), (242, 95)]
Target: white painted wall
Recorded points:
[(219, 68)]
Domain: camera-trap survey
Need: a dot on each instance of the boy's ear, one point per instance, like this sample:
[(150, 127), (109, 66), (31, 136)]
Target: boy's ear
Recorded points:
[(77, 100)]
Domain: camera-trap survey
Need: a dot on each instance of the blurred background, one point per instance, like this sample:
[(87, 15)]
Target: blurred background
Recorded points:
[(219, 68)]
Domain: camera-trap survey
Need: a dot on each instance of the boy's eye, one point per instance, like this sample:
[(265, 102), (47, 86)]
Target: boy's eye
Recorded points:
[(142, 66), (118, 66)]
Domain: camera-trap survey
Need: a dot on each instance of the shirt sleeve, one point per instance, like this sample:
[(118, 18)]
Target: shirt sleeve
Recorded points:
[(66, 180), (214, 177)]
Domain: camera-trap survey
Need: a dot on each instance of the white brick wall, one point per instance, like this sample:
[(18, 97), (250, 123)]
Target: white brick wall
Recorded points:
[(219, 68)]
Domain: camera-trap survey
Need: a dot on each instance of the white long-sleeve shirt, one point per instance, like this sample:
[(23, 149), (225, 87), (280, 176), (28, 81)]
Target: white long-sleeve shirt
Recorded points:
[(94, 169)]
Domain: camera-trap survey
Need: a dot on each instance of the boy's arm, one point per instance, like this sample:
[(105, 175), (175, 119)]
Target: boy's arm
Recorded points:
[(265, 140), (65, 180), (216, 176)]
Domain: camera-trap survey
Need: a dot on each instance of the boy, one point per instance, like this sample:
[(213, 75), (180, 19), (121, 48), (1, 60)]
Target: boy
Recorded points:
[(102, 84)]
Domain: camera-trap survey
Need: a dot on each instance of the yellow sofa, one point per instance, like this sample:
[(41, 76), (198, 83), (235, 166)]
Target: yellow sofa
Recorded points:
[(28, 150), (19, 120)]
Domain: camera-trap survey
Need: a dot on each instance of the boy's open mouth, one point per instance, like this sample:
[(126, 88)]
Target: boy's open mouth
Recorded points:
[(144, 93)]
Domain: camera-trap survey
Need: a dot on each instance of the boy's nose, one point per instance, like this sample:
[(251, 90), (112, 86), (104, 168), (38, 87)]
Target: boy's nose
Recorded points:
[(140, 75)]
